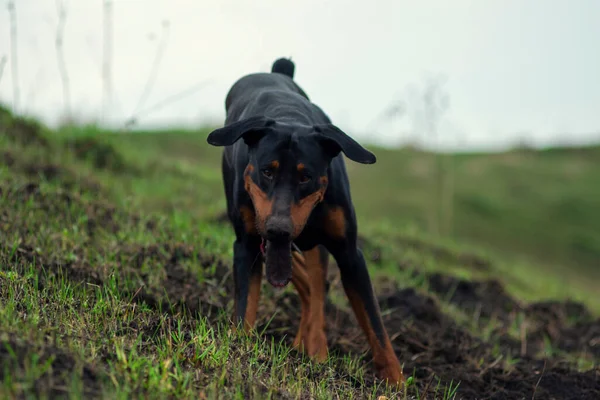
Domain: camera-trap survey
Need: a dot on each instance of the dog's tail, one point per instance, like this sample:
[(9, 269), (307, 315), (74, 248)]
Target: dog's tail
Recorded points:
[(284, 66)]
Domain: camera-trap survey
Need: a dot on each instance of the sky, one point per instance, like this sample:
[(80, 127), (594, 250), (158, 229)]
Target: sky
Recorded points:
[(507, 71)]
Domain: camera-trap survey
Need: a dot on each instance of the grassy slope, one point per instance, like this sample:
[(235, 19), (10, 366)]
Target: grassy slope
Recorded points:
[(119, 271), (529, 209), (539, 204)]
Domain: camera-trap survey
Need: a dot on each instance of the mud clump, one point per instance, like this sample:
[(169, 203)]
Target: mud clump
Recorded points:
[(433, 345), (21, 130), (99, 215), (446, 255), (484, 299), (568, 326), (179, 287), (55, 382), (44, 171), (77, 271), (101, 155)]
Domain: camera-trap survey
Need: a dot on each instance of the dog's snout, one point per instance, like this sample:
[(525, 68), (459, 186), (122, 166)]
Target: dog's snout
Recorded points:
[(278, 228)]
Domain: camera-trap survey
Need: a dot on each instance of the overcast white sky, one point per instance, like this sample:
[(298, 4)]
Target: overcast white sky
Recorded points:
[(515, 70)]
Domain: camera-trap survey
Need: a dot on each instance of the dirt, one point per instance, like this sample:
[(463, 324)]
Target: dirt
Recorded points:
[(15, 355), (101, 155), (433, 345), (179, 288), (38, 171), (21, 130), (567, 326)]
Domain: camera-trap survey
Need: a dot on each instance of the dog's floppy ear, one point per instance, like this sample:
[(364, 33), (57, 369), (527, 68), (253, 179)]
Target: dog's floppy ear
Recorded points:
[(334, 140), (251, 129)]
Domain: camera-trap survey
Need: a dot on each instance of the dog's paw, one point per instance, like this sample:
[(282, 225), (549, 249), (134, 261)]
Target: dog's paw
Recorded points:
[(316, 345), (392, 373)]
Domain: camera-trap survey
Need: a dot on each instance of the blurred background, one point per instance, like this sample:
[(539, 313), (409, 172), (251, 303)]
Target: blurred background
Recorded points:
[(484, 115)]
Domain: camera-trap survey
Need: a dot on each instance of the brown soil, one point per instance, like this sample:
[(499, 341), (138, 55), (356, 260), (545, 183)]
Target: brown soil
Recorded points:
[(567, 325)]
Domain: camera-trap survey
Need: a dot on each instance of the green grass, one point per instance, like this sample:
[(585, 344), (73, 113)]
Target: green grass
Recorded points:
[(115, 278)]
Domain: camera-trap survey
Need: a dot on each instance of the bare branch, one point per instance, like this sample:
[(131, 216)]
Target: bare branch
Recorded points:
[(62, 66), (3, 62), (107, 11), (12, 11), (169, 100), (154, 70)]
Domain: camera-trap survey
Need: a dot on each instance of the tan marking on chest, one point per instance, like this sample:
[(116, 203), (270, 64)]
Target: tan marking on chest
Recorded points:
[(249, 219), (263, 206), (335, 223)]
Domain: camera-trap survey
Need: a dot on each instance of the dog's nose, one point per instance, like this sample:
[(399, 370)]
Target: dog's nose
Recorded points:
[(278, 228)]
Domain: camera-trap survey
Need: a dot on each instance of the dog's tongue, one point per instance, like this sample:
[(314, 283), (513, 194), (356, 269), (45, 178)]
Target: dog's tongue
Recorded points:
[(278, 260)]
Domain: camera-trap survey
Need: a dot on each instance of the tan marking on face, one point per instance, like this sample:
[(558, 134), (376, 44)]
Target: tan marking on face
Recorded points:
[(300, 167), (335, 223), (249, 219), (263, 206), (300, 211), (274, 164)]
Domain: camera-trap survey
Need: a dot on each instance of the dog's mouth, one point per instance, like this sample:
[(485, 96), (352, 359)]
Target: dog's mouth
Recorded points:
[(278, 261)]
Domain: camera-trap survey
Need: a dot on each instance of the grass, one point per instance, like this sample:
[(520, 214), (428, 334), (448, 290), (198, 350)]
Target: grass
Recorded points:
[(115, 277)]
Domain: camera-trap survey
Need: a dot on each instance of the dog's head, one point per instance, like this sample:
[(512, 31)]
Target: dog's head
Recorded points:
[(286, 176)]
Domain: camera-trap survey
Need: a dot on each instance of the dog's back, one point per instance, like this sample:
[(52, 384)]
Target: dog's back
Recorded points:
[(250, 87)]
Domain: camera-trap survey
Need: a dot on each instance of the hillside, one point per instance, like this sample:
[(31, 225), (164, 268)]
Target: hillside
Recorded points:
[(539, 205), (115, 276)]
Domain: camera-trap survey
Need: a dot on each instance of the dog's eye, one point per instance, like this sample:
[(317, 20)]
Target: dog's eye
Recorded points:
[(304, 178), (267, 173)]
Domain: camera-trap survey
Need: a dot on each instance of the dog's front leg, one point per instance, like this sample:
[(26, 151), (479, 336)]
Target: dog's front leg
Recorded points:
[(359, 290), (247, 273)]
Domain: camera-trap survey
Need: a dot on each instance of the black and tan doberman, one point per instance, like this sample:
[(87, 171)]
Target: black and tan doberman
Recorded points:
[(288, 198)]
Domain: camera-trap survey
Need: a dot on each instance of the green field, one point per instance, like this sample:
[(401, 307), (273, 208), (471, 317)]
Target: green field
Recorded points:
[(115, 276)]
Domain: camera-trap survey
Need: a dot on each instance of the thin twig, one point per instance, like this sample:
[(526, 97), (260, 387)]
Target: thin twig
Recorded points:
[(154, 70), (171, 99), (3, 62), (12, 10), (107, 56), (60, 56), (523, 337), (538, 382)]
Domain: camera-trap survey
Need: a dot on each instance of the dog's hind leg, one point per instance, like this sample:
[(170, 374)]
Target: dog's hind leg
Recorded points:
[(359, 290)]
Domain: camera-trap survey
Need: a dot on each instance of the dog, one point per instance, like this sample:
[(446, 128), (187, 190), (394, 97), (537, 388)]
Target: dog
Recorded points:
[(288, 199)]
